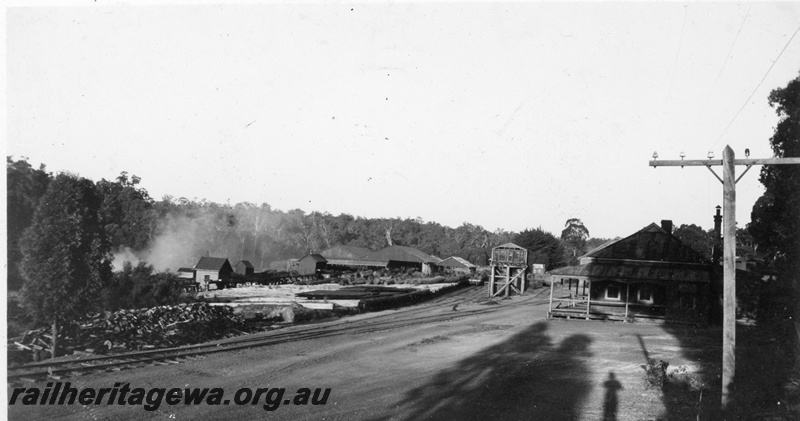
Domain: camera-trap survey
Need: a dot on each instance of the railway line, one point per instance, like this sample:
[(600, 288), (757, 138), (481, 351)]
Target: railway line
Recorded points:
[(428, 312)]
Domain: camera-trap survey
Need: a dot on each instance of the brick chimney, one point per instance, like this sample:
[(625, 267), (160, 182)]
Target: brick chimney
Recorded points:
[(666, 225), (716, 254), (715, 289)]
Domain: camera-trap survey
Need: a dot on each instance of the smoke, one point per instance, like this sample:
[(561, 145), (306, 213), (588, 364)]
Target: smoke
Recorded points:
[(243, 232), (123, 255), (180, 242)]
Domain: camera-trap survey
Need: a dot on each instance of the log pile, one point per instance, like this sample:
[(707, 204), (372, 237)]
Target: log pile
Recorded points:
[(130, 330)]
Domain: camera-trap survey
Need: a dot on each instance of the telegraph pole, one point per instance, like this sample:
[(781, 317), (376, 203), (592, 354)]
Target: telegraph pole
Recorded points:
[(729, 180)]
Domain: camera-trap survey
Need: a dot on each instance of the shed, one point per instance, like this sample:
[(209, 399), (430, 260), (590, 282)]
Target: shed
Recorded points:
[(310, 264), (404, 257), (350, 256), (209, 271), (455, 262), (649, 275), (186, 280), (244, 267), (537, 270)]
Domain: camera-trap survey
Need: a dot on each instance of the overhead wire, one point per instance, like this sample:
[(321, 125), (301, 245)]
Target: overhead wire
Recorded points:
[(727, 56), (668, 96), (756, 88), (724, 64), (680, 44)]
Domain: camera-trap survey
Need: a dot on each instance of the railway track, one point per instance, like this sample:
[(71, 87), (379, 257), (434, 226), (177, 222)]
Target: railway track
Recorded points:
[(390, 320)]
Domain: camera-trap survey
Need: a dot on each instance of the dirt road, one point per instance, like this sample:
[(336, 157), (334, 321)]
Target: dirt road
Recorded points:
[(497, 360)]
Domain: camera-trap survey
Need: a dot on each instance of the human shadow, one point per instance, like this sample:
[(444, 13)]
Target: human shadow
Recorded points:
[(524, 377), (611, 401)]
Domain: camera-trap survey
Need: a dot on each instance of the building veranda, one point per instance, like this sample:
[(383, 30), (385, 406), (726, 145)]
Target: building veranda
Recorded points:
[(650, 275)]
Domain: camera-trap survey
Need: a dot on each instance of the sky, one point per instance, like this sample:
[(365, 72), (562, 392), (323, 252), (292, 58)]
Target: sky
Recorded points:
[(507, 115)]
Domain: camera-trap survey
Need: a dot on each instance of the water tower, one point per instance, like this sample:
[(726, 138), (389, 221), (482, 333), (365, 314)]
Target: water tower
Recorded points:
[(508, 265)]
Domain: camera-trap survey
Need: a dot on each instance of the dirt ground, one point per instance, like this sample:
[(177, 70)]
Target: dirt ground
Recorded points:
[(506, 363)]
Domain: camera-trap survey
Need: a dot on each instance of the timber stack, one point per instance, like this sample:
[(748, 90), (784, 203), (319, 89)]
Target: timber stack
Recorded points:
[(130, 330)]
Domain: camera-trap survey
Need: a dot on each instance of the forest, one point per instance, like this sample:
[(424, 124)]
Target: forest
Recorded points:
[(174, 232)]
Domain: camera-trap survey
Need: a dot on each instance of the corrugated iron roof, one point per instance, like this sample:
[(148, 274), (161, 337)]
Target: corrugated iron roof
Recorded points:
[(650, 243), (316, 257), (401, 254), (211, 263), (456, 259), (185, 270), (644, 271)]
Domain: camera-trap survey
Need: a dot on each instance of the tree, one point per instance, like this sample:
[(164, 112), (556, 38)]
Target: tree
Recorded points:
[(431, 235), (66, 260), (127, 212), (574, 236), (745, 247), (543, 247), (775, 218), (696, 238), (24, 187)]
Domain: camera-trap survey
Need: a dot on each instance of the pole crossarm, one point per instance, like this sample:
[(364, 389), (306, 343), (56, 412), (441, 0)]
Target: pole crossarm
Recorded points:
[(715, 174), (729, 180), (718, 162), (743, 173)]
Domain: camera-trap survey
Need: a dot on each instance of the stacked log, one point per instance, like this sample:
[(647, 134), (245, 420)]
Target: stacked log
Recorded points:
[(129, 330)]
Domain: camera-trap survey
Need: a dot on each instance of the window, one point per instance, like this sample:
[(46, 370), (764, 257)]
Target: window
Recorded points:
[(612, 292), (207, 278), (645, 294)]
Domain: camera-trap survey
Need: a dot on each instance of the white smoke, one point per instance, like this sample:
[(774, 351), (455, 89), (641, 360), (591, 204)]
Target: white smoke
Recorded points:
[(123, 255), (180, 243)]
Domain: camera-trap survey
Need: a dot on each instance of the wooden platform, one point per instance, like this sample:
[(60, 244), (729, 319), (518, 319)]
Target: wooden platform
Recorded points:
[(580, 314)]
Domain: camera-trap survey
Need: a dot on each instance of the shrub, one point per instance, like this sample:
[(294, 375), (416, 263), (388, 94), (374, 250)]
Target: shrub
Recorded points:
[(141, 286), (682, 375), (655, 373)]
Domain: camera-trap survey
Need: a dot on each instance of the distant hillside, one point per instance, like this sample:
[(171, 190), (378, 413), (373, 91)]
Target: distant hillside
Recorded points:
[(174, 232)]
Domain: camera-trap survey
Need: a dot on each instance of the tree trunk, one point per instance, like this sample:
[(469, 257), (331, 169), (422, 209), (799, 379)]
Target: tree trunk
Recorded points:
[(54, 347), (388, 231)]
